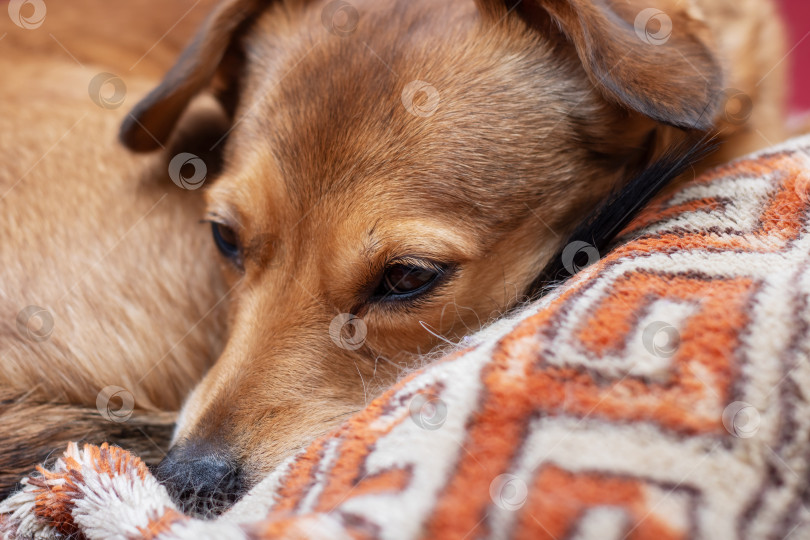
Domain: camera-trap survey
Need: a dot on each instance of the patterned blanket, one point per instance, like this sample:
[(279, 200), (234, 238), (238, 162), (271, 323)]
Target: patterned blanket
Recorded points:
[(660, 393)]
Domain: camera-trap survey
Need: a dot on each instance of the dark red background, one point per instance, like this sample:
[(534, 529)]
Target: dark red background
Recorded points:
[(797, 14)]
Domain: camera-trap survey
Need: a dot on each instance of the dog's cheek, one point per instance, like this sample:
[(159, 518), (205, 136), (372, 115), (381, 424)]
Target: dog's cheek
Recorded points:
[(229, 272)]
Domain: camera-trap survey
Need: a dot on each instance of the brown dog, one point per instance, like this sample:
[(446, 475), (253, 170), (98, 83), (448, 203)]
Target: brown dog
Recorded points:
[(399, 171), (104, 274)]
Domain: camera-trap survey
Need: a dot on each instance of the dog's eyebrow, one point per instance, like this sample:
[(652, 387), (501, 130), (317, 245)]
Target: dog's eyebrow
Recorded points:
[(418, 239), (371, 245)]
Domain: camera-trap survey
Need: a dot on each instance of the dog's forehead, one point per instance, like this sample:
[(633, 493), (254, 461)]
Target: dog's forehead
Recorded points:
[(410, 103)]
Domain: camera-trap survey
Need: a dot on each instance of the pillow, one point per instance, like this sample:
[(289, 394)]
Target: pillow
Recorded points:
[(662, 392)]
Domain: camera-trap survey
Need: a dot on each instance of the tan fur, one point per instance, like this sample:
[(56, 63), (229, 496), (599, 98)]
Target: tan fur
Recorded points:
[(35, 431), (102, 240), (328, 178)]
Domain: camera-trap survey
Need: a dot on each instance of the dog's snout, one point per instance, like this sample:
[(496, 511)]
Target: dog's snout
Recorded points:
[(201, 481)]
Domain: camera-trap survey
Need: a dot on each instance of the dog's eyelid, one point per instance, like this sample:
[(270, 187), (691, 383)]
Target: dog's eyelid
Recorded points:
[(225, 213), (208, 220), (213, 217), (426, 263)]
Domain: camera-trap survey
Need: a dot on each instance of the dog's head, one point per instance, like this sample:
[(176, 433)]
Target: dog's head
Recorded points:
[(396, 174)]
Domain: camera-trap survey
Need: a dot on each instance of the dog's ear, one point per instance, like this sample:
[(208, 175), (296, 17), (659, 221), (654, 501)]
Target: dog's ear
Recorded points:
[(659, 62), (150, 124)]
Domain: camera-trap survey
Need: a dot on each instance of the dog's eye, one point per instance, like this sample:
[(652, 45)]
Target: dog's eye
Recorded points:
[(401, 280), (226, 241)]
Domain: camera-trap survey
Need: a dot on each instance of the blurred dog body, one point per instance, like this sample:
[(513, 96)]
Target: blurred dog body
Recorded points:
[(104, 275)]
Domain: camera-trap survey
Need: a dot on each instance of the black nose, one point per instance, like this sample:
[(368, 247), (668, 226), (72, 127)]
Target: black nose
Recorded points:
[(201, 481)]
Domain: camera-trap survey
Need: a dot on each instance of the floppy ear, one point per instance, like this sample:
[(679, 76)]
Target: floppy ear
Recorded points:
[(150, 124), (659, 63)]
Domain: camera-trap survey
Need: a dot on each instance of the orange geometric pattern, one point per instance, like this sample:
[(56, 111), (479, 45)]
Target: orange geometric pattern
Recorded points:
[(559, 497)]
